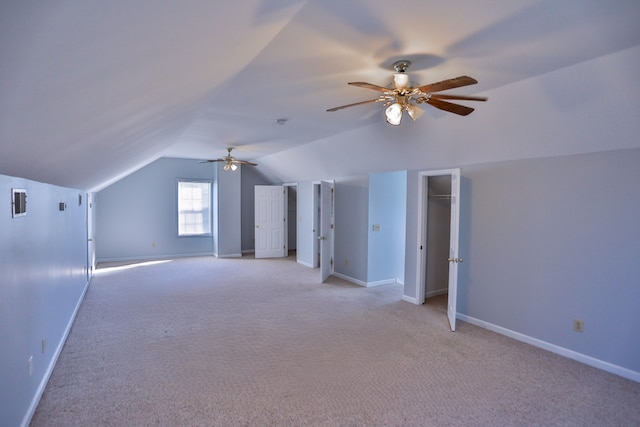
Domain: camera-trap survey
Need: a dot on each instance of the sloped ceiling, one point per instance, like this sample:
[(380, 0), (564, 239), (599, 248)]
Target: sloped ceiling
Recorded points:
[(91, 91)]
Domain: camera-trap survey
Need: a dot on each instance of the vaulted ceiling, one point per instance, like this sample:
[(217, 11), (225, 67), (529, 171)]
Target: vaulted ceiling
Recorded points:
[(91, 91)]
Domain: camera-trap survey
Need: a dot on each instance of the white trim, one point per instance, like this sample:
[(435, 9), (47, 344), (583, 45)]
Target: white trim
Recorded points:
[(366, 284), (349, 279), (306, 264), (382, 282), (412, 300), (229, 256), (579, 357), (155, 257), (56, 354)]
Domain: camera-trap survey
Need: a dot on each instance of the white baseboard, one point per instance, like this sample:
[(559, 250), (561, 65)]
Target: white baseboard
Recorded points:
[(349, 279), (229, 255), (382, 282), (583, 358), (306, 264), (412, 300), (153, 257), (52, 363), (366, 284)]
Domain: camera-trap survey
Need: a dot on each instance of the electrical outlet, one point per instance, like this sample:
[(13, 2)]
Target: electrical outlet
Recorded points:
[(346, 262), (44, 345), (578, 325)]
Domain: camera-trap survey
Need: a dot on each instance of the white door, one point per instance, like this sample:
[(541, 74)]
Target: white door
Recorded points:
[(315, 258), (91, 251), (326, 229), (453, 248), (271, 221), (454, 260)]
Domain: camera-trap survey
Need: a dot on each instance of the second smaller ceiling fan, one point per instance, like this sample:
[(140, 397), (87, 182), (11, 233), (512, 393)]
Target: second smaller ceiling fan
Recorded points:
[(230, 162)]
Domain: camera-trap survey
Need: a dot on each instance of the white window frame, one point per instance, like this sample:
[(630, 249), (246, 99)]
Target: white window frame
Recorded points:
[(198, 209)]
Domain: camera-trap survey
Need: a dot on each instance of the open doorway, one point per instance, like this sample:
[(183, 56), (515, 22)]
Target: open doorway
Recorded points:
[(292, 220), (437, 224), (323, 227), (438, 199)]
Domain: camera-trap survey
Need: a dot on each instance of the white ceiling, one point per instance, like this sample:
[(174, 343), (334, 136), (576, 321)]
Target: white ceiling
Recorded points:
[(91, 91)]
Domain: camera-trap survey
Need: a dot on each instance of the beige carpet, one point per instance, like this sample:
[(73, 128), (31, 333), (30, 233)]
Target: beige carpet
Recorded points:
[(217, 342)]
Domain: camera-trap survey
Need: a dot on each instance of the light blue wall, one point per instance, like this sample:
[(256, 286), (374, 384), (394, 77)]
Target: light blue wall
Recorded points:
[(388, 209), (43, 261), (351, 234), (546, 241), (137, 216), (229, 219), (411, 237), (362, 255)]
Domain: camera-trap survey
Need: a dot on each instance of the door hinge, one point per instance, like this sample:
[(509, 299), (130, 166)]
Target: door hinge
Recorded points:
[(331, 261), (332, 226)]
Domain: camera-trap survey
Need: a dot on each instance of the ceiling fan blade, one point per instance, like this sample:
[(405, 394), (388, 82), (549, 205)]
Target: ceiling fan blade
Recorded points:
[(459, 97), (244, 162), (370, 86), (448, 84), (210, 161), (354, 104), (462, 110)]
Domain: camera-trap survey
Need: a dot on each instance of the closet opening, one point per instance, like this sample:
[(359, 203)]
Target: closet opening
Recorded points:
[(437, 223)]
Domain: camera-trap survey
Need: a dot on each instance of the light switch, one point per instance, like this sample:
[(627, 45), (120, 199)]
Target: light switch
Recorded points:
[(376, 227)]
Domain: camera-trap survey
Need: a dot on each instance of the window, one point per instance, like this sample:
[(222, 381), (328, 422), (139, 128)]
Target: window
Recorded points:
[(18, 202), (194, 208)]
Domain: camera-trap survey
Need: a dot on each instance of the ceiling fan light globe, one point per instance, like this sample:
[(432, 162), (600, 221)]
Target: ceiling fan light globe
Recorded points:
[(394, 114), (414, 112), (226, 166), (401, 80), (234, 167)]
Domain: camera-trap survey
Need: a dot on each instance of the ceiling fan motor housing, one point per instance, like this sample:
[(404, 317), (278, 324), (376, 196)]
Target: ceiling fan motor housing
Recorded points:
[(402, 65)]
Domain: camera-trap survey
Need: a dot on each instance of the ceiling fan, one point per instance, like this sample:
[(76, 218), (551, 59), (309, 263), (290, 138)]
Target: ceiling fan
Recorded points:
[(403, 97), (230, 162)]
